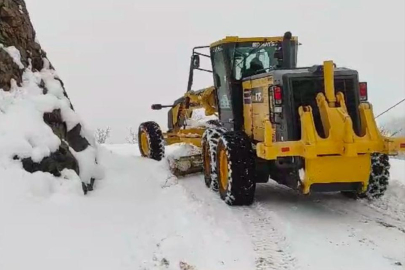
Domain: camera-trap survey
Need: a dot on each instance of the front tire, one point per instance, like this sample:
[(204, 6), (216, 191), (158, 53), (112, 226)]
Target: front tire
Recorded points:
[(150, 141), (236, 166)]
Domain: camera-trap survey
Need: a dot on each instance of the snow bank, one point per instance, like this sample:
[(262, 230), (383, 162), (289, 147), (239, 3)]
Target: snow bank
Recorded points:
[(16, 184), (133, 221), (24, 133)]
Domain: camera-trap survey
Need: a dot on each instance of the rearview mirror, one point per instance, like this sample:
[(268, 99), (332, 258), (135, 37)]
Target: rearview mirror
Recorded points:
[(195, 61), (157, 106)]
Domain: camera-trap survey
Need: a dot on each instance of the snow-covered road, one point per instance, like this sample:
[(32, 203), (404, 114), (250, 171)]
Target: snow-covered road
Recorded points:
[(139, 217), (322, 231)]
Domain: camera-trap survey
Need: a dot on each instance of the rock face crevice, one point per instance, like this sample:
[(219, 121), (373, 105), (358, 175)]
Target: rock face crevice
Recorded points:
[(16, 30)]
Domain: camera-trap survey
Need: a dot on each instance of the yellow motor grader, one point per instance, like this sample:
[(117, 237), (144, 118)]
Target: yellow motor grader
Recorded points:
[(309, 128)]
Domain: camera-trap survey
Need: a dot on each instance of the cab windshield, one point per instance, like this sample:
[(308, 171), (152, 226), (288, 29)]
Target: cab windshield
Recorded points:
[(253, 58)]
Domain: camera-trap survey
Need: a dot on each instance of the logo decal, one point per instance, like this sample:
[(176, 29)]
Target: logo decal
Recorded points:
[(257, 95)]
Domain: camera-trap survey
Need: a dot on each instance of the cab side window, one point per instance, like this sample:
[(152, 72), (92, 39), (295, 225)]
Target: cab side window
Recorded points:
[(220, 81)]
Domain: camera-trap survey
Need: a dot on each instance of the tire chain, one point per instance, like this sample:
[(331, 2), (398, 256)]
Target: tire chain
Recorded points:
[(241, 159), (211, 136), (379, 177)]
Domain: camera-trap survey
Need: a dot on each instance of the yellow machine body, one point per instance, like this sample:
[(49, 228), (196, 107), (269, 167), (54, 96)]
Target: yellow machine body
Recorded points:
[(193, 100), (340, 157)]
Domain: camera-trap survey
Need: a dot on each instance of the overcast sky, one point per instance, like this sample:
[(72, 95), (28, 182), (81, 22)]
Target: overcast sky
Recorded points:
[(117, 57)]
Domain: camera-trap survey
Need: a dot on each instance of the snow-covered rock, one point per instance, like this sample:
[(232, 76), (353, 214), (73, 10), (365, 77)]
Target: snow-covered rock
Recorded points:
[(39, 130)]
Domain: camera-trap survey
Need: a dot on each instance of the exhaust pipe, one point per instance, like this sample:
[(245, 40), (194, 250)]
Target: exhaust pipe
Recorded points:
[(289, 50)]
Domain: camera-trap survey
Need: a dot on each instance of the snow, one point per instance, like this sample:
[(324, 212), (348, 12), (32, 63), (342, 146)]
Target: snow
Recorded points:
[(133, 220), (398, 171), (180, 150), (87, 163), (14, 53), (321, 231), (23, 132), (199, 119), (33, 138), (141, 217), (176, 151)]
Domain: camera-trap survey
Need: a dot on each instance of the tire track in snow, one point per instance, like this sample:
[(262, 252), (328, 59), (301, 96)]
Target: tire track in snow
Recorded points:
[(261, 224), (267, 232), (388, 211), (268, 240), (392, 204)]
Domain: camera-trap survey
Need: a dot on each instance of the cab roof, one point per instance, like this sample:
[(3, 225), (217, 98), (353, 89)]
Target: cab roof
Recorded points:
[(236, 39)]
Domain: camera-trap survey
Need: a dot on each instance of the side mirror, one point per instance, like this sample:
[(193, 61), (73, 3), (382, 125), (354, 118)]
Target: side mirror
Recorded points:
[(157, 106), (195, 61), (278, 54), (217, 80)]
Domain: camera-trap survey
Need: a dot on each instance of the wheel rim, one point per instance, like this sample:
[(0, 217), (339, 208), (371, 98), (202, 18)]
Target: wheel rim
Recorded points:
[(223, 168), (207, 168), (144, 143)]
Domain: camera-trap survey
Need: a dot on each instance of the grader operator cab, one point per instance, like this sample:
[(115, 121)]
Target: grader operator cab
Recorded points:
[(311, 129)]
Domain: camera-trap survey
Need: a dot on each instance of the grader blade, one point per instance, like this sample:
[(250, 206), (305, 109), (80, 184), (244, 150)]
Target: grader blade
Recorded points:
[(186, 165)]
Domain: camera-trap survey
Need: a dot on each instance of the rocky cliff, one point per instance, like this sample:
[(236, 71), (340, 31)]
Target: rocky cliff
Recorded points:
[(32, 92)]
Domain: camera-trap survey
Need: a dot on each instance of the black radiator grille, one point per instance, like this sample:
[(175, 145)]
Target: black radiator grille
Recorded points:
[(304, 92)]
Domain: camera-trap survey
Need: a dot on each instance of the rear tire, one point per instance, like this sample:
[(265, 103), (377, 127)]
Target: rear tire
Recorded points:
[(236, 166), (379, 177), (209, 151), (150, 141)]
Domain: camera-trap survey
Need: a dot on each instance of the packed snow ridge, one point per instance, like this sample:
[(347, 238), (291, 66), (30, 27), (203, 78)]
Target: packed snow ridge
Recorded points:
[(24, 134)]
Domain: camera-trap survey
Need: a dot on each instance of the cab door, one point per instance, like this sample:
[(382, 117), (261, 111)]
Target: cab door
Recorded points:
[(221, 82)]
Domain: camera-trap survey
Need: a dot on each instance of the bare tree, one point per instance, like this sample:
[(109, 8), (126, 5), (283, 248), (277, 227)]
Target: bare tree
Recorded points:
[(102, 134), (132, 138), (395, 126), (385, 131)]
